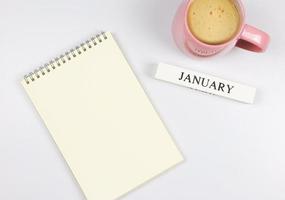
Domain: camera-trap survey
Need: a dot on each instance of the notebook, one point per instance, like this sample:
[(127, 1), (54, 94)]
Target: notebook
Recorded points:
[(101, 119)]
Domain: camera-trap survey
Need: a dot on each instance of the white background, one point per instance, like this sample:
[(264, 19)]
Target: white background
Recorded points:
[(233, 151)]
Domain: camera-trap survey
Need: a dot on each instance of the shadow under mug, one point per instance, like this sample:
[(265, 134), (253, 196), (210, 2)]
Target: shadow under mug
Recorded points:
[(248, 37)]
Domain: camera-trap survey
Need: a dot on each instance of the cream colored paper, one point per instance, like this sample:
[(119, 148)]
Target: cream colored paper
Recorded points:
[(103, 123)]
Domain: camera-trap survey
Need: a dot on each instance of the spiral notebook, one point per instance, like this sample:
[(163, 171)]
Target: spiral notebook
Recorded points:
[(101, 120)]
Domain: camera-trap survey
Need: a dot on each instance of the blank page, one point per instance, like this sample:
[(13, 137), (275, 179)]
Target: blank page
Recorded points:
[(101, 119)]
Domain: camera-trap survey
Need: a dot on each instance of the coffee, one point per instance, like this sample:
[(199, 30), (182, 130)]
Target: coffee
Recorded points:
[(213, 21)]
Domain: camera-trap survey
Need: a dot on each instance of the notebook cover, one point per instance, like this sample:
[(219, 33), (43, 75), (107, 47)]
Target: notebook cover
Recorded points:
[(101, 120)]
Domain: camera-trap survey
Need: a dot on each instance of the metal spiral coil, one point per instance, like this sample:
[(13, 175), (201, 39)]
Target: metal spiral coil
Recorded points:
[(64, 58)]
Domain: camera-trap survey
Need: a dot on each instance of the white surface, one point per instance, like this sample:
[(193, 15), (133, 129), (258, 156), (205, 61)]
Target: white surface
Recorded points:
[(233, 151)]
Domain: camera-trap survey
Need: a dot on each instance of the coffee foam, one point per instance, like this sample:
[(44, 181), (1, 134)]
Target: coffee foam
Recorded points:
[(213, 21)]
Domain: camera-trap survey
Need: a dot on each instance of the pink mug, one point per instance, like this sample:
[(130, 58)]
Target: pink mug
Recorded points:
[(248, 37)]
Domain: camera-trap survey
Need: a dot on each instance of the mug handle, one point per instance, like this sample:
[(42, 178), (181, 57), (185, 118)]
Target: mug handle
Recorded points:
[(253, 39)]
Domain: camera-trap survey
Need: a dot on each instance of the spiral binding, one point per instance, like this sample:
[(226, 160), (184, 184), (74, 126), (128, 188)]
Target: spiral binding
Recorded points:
[(64, 58)]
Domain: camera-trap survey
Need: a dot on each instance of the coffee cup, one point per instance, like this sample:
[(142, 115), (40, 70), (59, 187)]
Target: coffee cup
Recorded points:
[(209, 27)]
